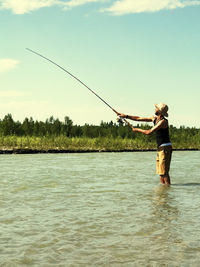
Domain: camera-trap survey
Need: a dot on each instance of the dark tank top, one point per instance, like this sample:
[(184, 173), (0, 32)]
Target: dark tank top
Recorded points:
[(162, 135)]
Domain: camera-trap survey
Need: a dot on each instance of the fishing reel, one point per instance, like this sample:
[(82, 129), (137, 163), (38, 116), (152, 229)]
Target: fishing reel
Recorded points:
[(120, 120)]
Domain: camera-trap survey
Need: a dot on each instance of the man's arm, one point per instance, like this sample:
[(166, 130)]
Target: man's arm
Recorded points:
[(159, 125), (136, 118)]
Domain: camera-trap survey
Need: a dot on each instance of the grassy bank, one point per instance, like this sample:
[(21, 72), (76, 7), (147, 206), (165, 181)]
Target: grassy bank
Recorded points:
[(86, 144)]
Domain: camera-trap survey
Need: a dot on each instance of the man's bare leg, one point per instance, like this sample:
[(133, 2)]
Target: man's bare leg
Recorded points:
[(162, 179), (165, 179)]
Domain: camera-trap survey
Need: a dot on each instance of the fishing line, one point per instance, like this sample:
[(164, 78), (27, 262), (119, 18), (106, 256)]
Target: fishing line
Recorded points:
[(36, 53)]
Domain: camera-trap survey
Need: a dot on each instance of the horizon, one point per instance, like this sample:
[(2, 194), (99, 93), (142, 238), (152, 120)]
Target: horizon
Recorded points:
[(132, 55)]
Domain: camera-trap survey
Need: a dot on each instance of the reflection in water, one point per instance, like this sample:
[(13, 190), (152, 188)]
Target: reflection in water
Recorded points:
[(164, 213), (162, 225)]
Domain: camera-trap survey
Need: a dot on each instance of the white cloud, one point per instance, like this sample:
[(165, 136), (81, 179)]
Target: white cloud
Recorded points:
[(122, 7), (119, 7), (25, 6), (7, 64), (74, 3)]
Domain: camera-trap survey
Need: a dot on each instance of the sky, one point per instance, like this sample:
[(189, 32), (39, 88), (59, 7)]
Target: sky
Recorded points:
[(133, 53)]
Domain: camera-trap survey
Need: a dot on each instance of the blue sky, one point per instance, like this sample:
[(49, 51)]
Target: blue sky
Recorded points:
[(133, 53)]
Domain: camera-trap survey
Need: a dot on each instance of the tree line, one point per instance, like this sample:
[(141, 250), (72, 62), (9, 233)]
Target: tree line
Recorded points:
[(55, 127)]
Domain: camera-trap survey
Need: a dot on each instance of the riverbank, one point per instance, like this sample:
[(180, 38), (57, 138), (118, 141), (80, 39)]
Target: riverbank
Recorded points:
[(63, 144), (56, 151)]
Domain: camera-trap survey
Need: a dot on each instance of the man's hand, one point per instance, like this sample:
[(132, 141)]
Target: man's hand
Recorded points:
[(122, 115)]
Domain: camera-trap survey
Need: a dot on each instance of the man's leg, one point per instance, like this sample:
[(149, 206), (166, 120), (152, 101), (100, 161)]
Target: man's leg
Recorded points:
[(163, 163), (168, 155), (162, 179), (166, 179)]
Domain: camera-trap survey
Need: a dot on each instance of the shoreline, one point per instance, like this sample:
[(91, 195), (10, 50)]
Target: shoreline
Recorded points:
[(65, 151)]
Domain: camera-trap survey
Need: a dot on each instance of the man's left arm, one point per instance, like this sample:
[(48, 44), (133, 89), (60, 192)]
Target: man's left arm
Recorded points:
[(159, 125)]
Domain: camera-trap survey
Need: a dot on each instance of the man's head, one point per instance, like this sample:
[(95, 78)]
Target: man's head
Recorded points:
[(161, 109)]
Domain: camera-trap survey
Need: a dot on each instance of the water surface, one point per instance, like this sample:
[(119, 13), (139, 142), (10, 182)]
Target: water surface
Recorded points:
[(102, 209)]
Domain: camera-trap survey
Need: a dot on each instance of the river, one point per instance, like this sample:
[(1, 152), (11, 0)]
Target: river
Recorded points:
[(99, 209)]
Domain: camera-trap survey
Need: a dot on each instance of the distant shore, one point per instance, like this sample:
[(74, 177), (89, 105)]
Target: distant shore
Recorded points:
[(56, 151)]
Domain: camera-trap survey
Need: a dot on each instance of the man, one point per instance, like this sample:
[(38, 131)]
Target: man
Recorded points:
[(161, 128)]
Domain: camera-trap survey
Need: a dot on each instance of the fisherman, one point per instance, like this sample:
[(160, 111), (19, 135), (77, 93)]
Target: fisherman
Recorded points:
[(161, 127)]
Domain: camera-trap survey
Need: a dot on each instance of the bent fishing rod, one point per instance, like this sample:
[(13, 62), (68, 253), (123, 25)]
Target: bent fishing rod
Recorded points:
[(36, 53)]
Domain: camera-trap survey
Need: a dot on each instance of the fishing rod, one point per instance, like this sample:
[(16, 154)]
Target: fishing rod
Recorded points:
[(36, 53)]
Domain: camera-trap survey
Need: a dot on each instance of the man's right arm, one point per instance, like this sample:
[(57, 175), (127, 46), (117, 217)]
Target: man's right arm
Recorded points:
[(136, 118)]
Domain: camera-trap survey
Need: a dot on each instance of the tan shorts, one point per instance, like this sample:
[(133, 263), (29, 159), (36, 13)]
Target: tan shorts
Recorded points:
[(163, 160)]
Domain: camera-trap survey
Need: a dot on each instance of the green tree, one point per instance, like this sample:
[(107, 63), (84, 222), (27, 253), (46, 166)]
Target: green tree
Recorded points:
[(28, 126), (8, 125), (67, 127)]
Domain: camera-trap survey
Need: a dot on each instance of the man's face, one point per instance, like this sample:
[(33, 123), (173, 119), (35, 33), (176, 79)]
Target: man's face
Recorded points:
[(157, 112)]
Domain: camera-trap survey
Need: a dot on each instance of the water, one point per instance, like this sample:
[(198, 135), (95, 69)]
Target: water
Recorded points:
[(102, 209)]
